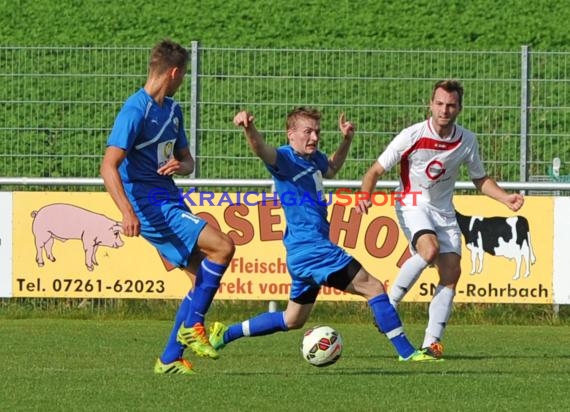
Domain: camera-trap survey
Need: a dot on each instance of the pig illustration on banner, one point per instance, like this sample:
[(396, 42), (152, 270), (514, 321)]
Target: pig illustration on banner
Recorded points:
[(63, 221)]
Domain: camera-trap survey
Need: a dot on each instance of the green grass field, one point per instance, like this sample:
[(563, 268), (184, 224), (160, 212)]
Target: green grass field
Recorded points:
[(106, 365)]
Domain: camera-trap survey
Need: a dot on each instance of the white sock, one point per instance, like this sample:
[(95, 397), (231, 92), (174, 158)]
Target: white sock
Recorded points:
[(439, 313), (407, 277)]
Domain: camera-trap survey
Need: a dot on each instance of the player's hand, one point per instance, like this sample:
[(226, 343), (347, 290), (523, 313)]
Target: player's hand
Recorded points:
[(244, 119), (131, 225), (346, 128), (362, 206), (514, 201), (171, 167)]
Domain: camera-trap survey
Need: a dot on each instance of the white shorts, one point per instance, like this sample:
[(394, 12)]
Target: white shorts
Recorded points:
[(420, 218)]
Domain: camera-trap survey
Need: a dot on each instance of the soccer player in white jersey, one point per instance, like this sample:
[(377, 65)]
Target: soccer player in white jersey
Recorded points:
[(430, 154)]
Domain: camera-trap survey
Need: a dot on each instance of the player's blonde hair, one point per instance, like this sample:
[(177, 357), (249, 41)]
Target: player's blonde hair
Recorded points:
[(302, 111)]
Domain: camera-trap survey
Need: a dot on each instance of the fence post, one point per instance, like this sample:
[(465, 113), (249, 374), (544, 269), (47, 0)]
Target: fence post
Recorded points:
[(525, 93), (194, 91)]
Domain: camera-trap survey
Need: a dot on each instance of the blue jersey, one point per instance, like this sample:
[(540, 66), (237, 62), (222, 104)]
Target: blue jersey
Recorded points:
[(150, 134), (311, 256), (299, 184)]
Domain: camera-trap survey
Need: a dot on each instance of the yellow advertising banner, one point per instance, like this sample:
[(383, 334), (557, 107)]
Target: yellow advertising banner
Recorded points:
[(509, 256), (69, 245)]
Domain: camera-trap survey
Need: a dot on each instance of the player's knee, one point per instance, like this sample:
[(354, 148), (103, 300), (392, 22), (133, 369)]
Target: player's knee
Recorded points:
[(450, 277), (294, 319), (373, 288), (367, 285), (225, 249), (294, 323), (376, 287), (429, 253)]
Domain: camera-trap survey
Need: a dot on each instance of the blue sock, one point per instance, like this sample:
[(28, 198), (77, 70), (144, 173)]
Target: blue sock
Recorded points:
[(207, 283), (264, 324), (389, 323), (173, 349)]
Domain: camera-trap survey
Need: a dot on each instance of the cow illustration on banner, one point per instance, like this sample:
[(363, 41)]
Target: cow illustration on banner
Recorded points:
[(498, 236), (63, 221)]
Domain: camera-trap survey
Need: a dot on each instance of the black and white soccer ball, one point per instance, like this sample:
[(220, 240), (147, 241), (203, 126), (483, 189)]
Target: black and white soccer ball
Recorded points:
[(321, 346)]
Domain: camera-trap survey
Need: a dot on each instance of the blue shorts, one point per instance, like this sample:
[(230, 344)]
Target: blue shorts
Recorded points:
[(311, 265), (172, 229)]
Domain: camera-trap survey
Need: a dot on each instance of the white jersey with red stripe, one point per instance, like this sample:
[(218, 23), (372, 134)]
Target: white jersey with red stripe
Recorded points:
[(430, 164)]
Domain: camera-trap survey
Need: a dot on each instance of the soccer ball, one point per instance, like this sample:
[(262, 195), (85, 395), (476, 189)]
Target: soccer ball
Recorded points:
[(321, 346)]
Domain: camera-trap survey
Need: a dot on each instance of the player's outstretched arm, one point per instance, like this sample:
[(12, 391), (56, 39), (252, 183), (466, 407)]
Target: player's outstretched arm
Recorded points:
[(256, 142), (489, 187), (368, 185), (336, 160)]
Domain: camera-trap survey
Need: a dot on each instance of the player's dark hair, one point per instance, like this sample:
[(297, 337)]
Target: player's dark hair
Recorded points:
[(167, 54), (449, 86), (302, 111)]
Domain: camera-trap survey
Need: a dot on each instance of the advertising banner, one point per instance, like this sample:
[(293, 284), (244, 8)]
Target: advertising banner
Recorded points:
[(5, 244), (561, 251), (506, 257), (70, 245)]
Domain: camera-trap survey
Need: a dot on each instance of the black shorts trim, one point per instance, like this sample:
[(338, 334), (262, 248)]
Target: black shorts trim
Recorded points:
[(421, 233), (308, 296), (342, 278)]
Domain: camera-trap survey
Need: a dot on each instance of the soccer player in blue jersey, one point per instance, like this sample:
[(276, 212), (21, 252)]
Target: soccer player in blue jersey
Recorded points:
[(146, 147), (312, 259)]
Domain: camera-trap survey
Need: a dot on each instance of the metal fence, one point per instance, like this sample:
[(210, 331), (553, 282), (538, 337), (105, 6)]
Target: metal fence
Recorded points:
[(57, 104)]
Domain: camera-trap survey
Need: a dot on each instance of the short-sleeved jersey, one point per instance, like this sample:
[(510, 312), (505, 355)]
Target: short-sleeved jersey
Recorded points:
[(311, 256), (430, 164), (299, 184), (150, 134)]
